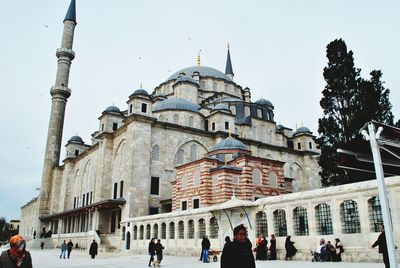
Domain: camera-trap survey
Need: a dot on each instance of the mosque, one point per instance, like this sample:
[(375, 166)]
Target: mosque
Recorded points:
[(194, 157)]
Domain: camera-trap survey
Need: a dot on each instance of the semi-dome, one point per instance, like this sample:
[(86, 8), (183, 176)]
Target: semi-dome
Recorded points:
[(112, 109), (139, 91), (230, 143), (302, 130), (187, 79), (76, 138), (176, 104), (203, 71), (264, 102), (220, 106)]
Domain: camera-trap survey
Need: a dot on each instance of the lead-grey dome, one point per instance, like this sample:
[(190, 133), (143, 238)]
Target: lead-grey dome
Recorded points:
[(139, 91), (176, 104), (112, 109), (302, 130), (204, 71), (230, 143), (187, 79), (264, 102), (76, 138)]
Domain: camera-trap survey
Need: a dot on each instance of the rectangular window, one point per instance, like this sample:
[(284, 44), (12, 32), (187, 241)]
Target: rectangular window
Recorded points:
[(87, 198), (115, 190), (226, 125), (153, 210), (102, 127), (121, 188), (83, 200), (91, 197), (213, 126), (130, 108), (206, 125), (155, 185), (76, 152), (184, 205), (115, 126), (290, 144), (74, 202), (298, 145), (310, 145), (196, 203), (144, 107), (119, 218)]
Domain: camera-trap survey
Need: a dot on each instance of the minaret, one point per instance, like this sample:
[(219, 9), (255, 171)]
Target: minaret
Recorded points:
[(59, 93), (228, 68)]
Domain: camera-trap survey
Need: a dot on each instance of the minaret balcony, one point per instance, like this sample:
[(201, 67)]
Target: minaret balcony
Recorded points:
[(65, 52)]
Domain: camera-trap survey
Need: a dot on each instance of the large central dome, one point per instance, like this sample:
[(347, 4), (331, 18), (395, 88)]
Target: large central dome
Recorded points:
[(204, 71)]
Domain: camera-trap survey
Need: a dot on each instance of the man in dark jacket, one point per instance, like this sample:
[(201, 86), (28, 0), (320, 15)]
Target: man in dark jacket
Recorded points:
[(381, 242), (70, 245), (205, 247), (238, 254), (93, 249)]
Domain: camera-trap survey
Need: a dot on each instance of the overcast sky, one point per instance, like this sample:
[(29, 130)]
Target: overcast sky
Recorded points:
[(277, 49)]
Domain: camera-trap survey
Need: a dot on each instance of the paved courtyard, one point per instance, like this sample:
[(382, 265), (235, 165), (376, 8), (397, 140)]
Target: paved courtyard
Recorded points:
[(81, 259)]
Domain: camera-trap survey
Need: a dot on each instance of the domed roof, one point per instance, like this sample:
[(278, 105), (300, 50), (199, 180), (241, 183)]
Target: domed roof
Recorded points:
[(229, 143), (221, 106), (139, 91), (112, 109), (76, 138), (302, 130), (264, 102), (187, 79), (204, 71), (176, 104)]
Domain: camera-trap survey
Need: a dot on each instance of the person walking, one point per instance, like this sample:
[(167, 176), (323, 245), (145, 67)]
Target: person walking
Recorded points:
[(93, 249), (290, 248), (381, 242), (152, 251), (261, 253), (42, 245), (272, 247), (70, 245), (238, 254), (337, 256), (205, 247), (17, 256), (159, 252), (63, 249)]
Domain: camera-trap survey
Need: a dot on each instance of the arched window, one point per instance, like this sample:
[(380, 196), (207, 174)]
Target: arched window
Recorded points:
[(214, 228), (261, 224), (135, 232), (155, 153), (323, 219), (273, 179), (155, 230), (123, 233), (190, 229), (171, 230), (300, 221), (280, 222), (375, 214), (181, 230), (257, 177), (175, 119), (349, 217), (202, 228), (246, 111), (193, 152), (196, 178), (184, 181), (179, 157), (191, 121), (254, 133), (141, 232), (163, 230), (148, 231), (261, 133)]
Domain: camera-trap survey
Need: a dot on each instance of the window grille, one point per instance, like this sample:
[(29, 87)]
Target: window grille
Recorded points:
[(135, 232), (190, 229), (181, 230), (323, 219), (196, 178), (235, 180), (179, 157), (193, 152), (300, 221), (257, 177), (261, 133), (163, 230), (350, 218), (375, 214), (185, 181), (172, 230), (148, 231), (254, 133), (141, 231), (155, 153), (155, 230), (214, 228), (273, 179), (261, 224), (280, 222), (202, 228)]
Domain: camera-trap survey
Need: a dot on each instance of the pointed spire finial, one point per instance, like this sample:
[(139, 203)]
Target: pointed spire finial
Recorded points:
[(71, 13), (198, 57), (228, 68), (141, 85)]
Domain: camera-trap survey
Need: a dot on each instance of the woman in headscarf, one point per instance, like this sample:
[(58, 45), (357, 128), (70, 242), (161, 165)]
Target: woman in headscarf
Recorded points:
[(16, 256), (290, 248)]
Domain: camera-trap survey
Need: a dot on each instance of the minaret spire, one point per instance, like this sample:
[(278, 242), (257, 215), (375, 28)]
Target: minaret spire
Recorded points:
[(198, 58), (59, 93), (228, 68)]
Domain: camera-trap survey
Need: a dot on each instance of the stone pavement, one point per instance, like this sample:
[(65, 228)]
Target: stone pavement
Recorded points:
[(81, 259)]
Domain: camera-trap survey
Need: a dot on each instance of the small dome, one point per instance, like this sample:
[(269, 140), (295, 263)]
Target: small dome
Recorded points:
[(203, 71), (186, 79), (176, 104), (302, 130), (112, 109), (230, 143), (280, 126), (264, 102), (139, 91), (76, 138), (221, 106)]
